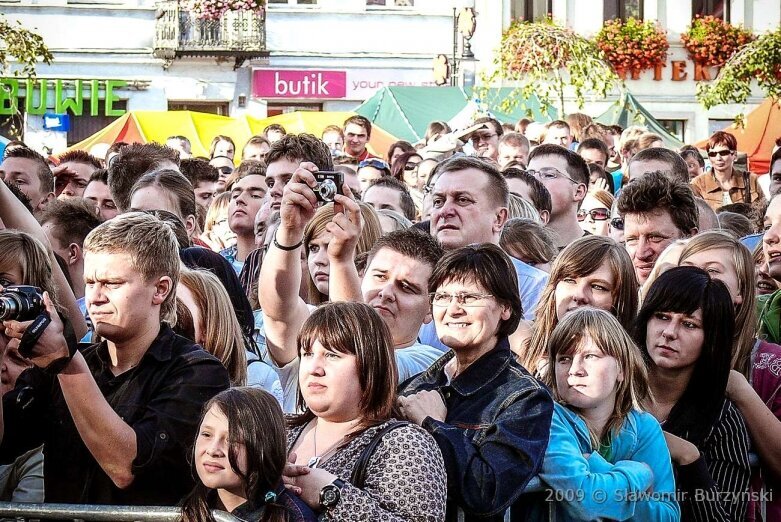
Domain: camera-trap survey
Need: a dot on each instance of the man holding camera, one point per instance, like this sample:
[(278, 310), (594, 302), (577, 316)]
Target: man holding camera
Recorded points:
[(117, 419)]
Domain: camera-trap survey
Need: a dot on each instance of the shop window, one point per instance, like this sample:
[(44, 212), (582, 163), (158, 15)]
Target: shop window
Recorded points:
[(675, 127), (219, 108), (623, 9), (275, 109), (717, 8), (84, 126), (533, 10)]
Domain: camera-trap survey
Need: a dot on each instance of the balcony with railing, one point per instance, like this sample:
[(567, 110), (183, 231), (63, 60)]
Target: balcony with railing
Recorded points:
[(180, 31)]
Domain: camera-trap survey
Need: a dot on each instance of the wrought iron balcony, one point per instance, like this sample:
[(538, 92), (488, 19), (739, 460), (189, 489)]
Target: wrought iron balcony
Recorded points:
[(240, 35)]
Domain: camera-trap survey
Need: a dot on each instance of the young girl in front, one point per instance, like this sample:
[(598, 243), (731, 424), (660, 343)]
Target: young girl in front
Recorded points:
[(606, 459), (239, 456)]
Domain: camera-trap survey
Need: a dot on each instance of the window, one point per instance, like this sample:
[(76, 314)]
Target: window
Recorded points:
[(220, 108), (84, 126), (623, 9), (274, 109), (392, 3), (533, 10), (292, 2), (675, 127), (718, 125), (717, 8)]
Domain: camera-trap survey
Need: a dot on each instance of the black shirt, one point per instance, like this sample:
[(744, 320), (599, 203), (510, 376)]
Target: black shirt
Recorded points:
[(161, 399)]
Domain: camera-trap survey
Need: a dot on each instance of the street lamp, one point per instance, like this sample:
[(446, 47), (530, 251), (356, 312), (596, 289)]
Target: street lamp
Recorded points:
[(464, 25)]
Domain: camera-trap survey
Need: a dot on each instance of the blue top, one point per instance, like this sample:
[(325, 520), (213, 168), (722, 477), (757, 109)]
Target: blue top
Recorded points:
[(230, 254), (635, 482), (531, 283)]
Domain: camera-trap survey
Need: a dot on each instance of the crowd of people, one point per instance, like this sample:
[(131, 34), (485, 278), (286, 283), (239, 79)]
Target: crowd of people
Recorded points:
[(505, 322)]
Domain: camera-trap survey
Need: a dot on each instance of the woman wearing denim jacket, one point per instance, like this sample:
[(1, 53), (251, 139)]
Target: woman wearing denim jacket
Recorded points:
[(489, 417), (606, 458)]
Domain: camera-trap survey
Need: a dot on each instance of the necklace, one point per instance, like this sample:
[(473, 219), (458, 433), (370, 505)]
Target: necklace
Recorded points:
[(315, 460)]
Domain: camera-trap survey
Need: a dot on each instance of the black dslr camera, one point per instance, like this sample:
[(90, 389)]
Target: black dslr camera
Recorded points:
[(329, 184), (21, 303)]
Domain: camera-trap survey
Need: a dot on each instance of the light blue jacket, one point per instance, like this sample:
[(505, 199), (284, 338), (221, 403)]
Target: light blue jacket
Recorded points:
[(638, 484)]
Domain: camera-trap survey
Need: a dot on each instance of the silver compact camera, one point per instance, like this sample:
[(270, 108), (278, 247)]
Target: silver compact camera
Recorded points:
[(329, 184)]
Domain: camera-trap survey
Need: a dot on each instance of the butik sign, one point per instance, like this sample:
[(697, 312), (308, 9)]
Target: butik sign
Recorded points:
[(288, 83)]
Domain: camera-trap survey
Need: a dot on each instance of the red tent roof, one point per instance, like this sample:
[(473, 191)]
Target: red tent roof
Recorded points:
[(757, 137)]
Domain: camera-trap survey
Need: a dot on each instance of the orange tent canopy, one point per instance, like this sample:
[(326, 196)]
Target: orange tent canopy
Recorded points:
[(757, 137)]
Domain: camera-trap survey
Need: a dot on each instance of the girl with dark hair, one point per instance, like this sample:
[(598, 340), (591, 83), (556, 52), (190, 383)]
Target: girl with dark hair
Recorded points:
[(397, 149), (353, 461), (405, 169), (685, 330), (239, 470), (602, 445)]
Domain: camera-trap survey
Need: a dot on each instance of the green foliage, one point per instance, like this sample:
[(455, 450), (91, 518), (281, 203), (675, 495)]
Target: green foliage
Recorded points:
[(543, 59), (22, 46), (758, 61)]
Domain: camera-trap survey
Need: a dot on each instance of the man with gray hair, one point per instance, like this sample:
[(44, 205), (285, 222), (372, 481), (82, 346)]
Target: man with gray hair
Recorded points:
[(117, 419)]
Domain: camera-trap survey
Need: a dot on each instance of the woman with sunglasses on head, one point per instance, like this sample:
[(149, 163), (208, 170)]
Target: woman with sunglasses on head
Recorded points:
[(685, 331), (490, 418), (753, 385), (592, 271), (725, 184), (606, 458), (594, 212)]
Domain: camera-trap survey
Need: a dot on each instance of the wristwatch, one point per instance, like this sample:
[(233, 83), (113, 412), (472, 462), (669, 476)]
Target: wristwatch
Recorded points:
[(331, 494)]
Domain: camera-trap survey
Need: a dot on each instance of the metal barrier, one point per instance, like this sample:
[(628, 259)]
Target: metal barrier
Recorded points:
[(99, 513)]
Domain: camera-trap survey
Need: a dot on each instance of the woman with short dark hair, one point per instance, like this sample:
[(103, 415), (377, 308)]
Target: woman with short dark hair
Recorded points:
[(490, 418)]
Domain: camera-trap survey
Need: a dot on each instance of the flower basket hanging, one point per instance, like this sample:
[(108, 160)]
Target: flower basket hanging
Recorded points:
[(711, 41), (632, 46), (215, 9)]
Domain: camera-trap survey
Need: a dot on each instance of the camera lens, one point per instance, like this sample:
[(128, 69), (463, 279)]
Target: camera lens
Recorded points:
[(9, 307), (327, 190)]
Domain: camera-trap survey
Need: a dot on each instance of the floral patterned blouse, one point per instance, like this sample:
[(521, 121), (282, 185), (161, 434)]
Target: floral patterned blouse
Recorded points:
[(405, 477)]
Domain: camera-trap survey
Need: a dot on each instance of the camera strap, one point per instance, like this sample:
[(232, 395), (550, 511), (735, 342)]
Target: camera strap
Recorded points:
[(33, 333)]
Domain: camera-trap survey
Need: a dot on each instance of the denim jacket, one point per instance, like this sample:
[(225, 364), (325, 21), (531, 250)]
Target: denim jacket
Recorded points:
[(494, 437)]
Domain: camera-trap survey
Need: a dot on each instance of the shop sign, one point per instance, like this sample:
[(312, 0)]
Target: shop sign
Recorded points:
[(56, 122), (70, 96), (288, 83)]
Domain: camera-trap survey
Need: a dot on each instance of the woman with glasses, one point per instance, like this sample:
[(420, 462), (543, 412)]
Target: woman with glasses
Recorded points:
[(592, 271), (724, 184), (489, 417), (405, 169), (594, 212)]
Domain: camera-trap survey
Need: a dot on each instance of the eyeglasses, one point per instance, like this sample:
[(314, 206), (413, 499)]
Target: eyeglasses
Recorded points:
[(373, 162), (227, 171), (462, 298), (617, 223), (722, 153), (549, 173), (411, 166), (477, 138), (597, 214)]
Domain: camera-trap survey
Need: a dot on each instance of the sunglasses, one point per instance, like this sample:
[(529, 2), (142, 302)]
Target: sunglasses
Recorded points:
[(617, 223), (376, 163), (597, 214), (411, 166), (226, 171), (722, 153)]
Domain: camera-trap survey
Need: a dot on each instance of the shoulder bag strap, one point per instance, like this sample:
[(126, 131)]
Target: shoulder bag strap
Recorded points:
[(747, 190), (358, 477)]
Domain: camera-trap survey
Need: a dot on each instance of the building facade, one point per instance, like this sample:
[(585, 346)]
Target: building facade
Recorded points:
[(314, 55)]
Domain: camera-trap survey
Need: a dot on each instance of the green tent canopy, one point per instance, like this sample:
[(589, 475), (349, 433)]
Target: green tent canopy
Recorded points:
[(628, 111), (405, 112)]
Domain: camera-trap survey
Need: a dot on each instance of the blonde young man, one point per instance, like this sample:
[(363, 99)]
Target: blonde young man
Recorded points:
[(116, 419)]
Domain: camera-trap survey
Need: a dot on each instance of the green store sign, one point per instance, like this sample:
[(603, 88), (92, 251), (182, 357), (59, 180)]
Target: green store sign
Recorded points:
[(69, 96)]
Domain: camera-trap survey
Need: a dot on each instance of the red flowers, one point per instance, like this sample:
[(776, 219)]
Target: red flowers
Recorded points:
[(633, 45), (711, 41)]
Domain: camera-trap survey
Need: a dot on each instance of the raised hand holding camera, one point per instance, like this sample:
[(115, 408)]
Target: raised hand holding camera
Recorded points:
[(51, 344)]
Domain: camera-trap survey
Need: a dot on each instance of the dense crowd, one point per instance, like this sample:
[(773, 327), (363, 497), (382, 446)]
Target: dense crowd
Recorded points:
[(564, 320)]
